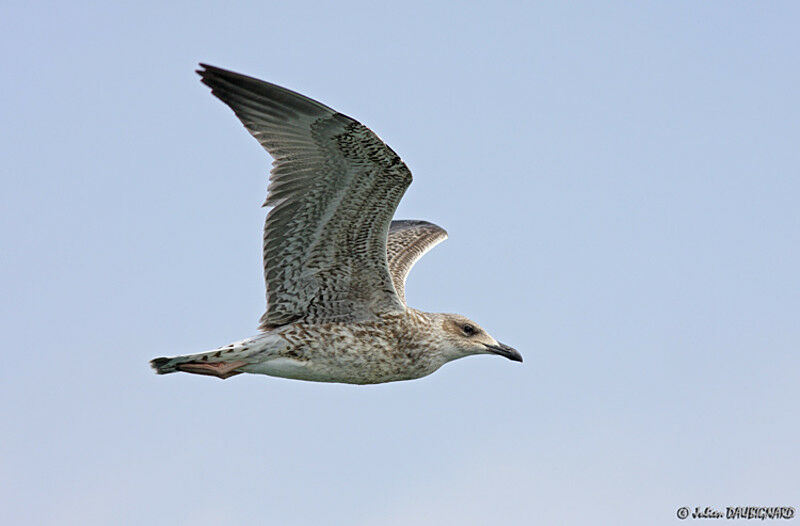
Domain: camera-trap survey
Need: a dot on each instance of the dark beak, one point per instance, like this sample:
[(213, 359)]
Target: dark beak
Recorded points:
[(505, 350)]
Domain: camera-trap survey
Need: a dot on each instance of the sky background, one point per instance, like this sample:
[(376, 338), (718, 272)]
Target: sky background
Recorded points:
[(620, 184)]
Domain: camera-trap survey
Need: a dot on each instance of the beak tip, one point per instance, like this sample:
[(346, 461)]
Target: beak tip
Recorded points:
[(504, 350)]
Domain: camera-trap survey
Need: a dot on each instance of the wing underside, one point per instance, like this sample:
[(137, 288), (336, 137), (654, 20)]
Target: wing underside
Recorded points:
[(408, 241)]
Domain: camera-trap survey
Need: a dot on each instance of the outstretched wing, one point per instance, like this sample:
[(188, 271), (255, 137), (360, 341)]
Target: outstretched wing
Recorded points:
[(334, 188), (409, 240)]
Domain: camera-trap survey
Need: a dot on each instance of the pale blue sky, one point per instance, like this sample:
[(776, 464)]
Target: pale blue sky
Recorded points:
[(620, 184)]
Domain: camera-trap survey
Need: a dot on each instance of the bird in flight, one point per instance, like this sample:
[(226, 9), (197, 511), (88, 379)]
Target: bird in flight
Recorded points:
[(335, 264)]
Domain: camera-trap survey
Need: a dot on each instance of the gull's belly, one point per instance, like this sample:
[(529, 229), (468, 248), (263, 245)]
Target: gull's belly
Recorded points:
[(296, 369), (345, 364)]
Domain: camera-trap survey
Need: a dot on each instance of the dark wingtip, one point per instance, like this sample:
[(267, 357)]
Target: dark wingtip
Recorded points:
[(232, 88), (205, 69)]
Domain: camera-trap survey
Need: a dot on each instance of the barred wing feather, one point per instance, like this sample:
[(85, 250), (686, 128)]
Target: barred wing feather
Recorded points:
[(333, 189)]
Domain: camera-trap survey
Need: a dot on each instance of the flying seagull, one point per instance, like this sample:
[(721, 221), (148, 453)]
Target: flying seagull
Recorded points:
[(335, 264)]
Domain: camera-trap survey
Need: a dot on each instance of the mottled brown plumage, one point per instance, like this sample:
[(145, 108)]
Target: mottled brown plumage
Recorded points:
[(335, 264)]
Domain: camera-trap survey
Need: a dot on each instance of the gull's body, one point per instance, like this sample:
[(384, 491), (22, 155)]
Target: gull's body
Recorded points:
[(335, 263)]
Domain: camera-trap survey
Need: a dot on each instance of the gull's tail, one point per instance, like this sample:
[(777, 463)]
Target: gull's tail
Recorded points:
[(163, 365), (223, 362), (175, 364)]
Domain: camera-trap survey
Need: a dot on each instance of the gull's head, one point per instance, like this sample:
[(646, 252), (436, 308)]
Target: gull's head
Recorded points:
[(463, 337)]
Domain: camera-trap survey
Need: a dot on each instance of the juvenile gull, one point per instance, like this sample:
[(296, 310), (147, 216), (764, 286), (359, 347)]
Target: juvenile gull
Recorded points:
[(335, 264)]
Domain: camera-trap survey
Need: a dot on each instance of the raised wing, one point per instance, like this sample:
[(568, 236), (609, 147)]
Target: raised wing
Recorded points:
[(409, 240), (334, 188)]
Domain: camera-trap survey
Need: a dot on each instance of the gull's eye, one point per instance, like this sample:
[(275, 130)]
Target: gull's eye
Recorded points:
[(469, 330)]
